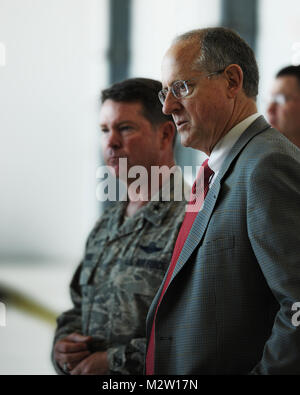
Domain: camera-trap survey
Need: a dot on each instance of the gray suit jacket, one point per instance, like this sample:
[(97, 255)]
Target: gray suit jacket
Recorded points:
[(228, 307)]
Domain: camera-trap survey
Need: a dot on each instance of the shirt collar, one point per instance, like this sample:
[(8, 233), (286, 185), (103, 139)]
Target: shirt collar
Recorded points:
[(224, 146)]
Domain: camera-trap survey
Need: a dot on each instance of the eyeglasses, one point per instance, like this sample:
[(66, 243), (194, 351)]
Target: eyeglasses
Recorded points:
[(181, 88)]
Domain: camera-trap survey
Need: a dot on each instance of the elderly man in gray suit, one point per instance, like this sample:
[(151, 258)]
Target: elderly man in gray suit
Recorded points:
[(229, 301)]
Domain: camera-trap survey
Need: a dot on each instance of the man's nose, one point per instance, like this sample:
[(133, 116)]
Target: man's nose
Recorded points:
[(114, 139), (171, 104)]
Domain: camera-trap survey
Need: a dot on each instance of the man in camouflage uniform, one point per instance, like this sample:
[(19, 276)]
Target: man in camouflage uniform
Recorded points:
[(129, 249)]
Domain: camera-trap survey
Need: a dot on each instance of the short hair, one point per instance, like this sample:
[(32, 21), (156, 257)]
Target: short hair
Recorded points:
[(219, 47), (139, 90), (293, 71)]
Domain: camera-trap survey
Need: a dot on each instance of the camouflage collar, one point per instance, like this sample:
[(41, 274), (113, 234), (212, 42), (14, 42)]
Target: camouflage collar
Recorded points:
[(154, 211)]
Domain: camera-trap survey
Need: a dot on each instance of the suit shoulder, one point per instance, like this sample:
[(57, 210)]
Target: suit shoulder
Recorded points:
[(270, 143), (267, 154), (272, 159)]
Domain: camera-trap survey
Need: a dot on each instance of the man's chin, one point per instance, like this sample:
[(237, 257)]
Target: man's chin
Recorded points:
[(184, 139), (115, 172)]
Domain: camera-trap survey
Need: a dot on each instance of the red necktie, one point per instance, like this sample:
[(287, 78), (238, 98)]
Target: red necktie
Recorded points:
[(198, 194)]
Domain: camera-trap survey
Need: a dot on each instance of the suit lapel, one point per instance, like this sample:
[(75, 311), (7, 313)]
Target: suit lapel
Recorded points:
[(201, 222)]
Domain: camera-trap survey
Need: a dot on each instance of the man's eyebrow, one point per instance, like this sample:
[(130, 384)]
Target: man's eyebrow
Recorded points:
[(125, 122), (172, 82), (119, 123)]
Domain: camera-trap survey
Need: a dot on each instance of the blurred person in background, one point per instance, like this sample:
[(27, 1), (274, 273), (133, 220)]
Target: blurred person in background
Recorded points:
[(284, 108), (129, 248)]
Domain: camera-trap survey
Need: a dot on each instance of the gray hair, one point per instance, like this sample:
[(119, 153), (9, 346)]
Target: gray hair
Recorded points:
[(219, 47)]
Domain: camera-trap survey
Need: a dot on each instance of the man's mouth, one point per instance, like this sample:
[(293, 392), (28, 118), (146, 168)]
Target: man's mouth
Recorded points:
[(114, 160), (181, 124)]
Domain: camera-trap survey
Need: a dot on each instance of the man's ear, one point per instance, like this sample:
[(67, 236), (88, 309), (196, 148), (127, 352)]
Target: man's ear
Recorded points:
[(167, 133), (235, 78)]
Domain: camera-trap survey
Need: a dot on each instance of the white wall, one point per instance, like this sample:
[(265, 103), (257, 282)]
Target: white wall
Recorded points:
[(279, 29), (26, 339), (156, 23), (55, 69)]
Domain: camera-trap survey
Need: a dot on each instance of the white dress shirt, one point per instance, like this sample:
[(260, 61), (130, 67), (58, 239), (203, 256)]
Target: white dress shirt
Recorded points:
[(224, 146)]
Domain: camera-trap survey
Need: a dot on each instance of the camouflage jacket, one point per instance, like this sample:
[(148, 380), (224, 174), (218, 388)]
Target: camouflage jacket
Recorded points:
[(113, 287)]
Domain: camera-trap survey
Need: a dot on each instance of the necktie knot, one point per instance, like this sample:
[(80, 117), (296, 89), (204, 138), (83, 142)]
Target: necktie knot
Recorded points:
[(197, 198), (208, 172), (201, 185)]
